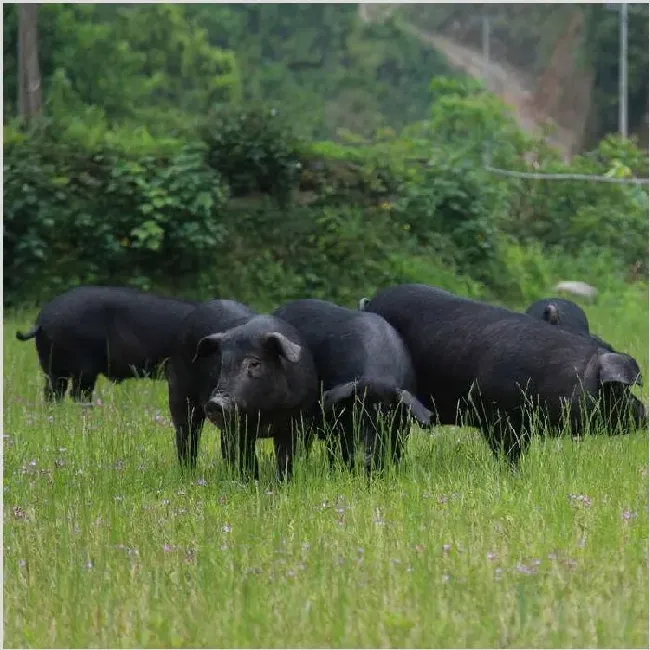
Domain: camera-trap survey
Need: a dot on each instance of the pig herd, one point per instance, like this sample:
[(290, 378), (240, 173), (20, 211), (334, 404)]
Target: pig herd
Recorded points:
[(354, 378)]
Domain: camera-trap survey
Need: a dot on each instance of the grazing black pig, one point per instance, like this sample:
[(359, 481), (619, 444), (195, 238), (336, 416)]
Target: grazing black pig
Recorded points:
[(470, 354), (191, 380), (119, 332), (566, 315), (253, 380), (358, 355)]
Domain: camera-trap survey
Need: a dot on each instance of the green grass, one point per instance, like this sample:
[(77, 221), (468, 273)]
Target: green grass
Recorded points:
[(107, 543)]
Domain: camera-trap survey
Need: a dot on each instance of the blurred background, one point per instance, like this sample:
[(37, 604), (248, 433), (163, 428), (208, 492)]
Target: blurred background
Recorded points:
[(273, 151)]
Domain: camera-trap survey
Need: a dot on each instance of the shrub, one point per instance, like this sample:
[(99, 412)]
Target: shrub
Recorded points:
[(73, 216), (595, 216), (253, 149), (248, 210)]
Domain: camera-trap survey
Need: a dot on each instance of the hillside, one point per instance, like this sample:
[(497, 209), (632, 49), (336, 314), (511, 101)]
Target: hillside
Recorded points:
[(555, 64), (509, 83)]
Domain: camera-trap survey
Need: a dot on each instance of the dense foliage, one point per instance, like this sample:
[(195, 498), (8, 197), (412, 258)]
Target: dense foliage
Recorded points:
[(245, 208), (181, 152), (141, 63), (319, 64)]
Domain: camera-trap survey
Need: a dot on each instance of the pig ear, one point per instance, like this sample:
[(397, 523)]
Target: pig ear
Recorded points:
[(333, 396), (281, 345), (418, 410), (619, 368), (207, 345), (551, 314), (362, 303)]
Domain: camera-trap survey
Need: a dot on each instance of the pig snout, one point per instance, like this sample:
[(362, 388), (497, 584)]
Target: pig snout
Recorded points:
[(219, 404)]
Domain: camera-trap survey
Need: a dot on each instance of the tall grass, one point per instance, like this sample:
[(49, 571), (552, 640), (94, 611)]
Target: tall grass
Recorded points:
[(108, 543)]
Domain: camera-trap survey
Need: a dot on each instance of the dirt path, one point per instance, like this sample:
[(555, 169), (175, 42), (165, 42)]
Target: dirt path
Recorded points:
[(507, 82)]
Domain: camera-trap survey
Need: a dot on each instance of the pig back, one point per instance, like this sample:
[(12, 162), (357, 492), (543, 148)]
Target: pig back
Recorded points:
[(457, 344)]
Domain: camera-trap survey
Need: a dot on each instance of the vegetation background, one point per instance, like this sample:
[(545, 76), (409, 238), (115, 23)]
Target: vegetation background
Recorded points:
[(268, 152), (275, 151)]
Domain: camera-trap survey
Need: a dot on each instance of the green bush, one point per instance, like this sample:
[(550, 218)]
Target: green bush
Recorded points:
[(74, 216), (243, 208), (253, 149), (595, 216)]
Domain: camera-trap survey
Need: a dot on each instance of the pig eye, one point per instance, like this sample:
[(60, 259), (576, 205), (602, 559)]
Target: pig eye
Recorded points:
[(253, 367)]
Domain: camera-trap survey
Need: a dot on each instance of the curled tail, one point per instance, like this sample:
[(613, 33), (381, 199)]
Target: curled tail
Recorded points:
[(29, 335)]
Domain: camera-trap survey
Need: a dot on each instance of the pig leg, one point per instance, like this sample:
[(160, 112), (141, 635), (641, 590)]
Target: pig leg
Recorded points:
[(400, 430), (83, 386), (247, 456), (507, 437), (195, 425), (339, 438), (398, 433), (54, 367), (225, 455), (373, 455), (55, 387), (329, 432), (238, 445), (229, 440), (304, 432), (284, 444), (331, 444), (347, 427), (188, 421), (380, 440)]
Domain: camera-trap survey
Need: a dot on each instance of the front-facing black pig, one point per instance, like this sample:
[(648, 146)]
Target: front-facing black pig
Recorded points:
[(266, 387), (191, 380), (119, 332), (566, 315), (499, 368), (359, 356)]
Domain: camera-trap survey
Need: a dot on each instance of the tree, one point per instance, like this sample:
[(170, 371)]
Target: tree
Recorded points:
[(29, 76)]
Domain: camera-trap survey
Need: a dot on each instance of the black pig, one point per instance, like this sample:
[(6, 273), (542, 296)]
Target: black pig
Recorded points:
[(253, 380), (566, 315), (190, 380), (119, 332), (358, 355), (491, 363)]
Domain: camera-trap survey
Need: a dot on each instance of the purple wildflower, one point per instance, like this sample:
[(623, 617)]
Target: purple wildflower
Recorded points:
[(628, 514)]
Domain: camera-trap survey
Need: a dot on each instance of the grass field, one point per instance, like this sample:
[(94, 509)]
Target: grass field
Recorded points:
[(108, 544)]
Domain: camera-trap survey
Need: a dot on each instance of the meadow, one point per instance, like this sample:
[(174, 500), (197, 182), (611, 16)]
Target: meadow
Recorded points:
[(107, 543)]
